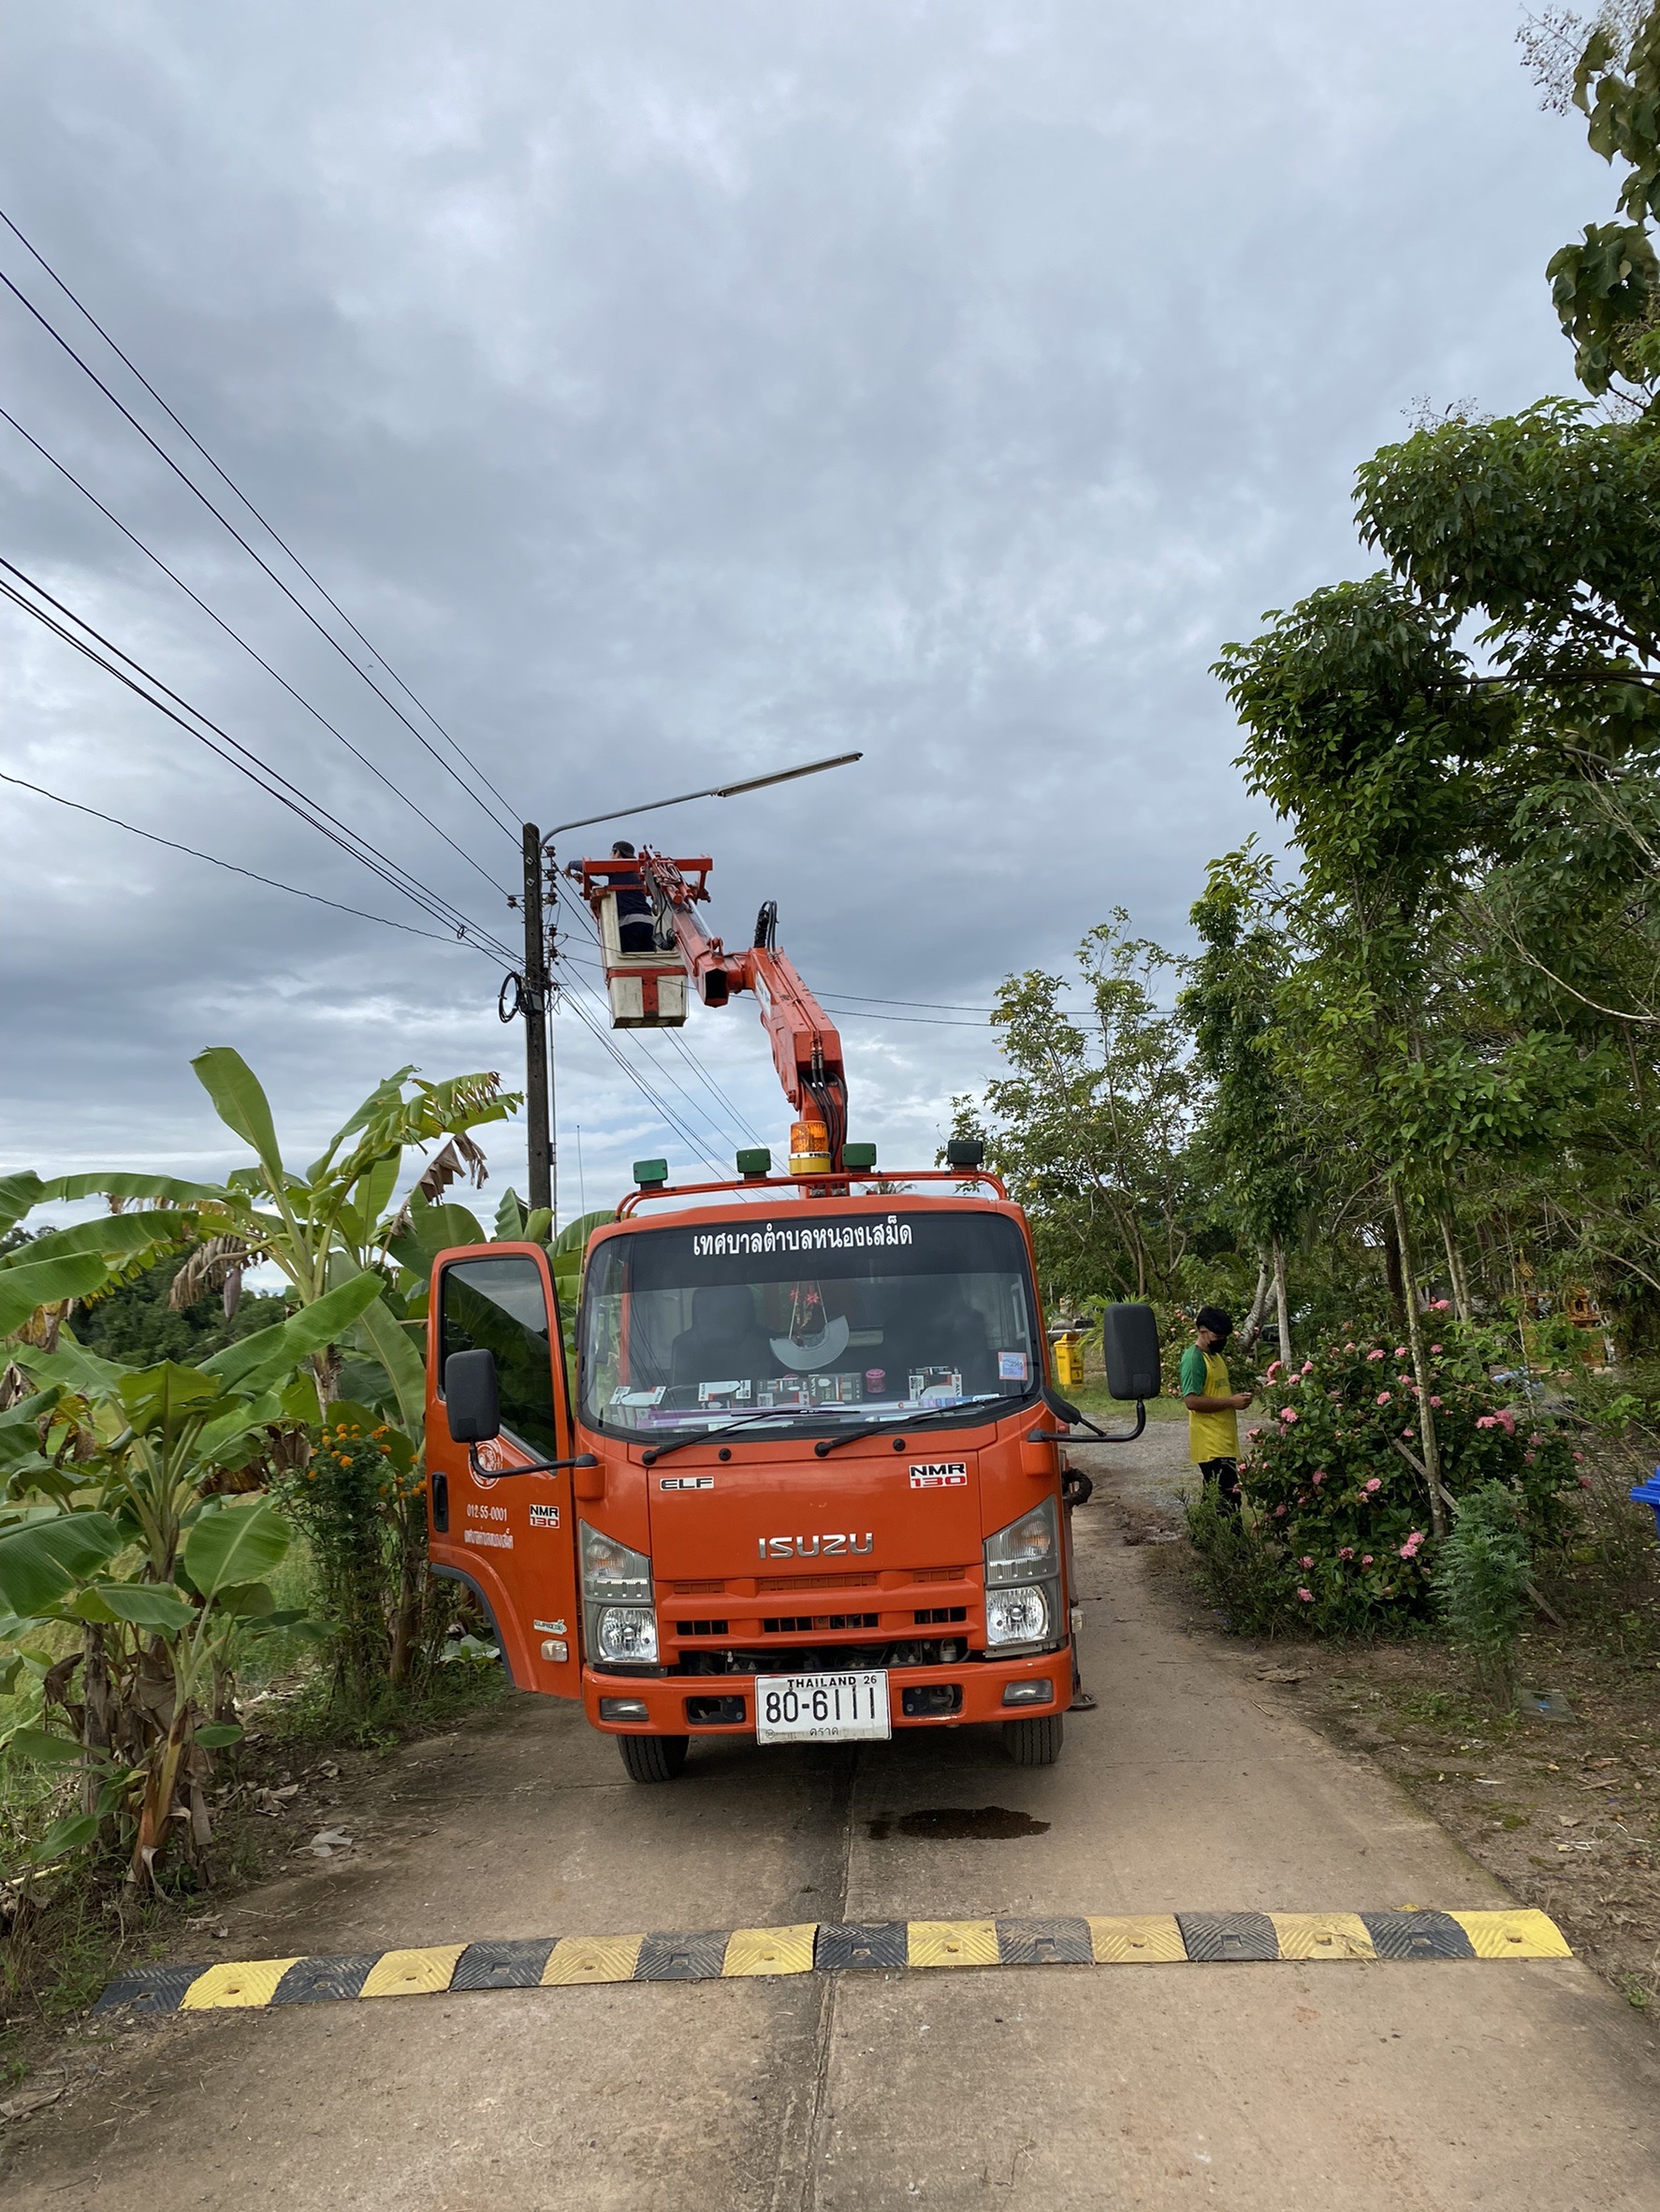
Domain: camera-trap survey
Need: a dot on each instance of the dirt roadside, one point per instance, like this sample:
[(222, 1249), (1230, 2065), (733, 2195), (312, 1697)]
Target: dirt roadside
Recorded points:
[(1563, 1806)]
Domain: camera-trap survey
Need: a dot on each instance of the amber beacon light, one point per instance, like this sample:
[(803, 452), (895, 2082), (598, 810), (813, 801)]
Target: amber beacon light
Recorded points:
[(809, 1148)]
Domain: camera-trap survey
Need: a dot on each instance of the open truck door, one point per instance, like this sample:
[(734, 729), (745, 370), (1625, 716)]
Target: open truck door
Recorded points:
[(499, 1520)]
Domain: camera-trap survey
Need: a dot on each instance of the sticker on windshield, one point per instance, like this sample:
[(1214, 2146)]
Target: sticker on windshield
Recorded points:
[(623, 1396), (941, 1475), (1012, 1367)]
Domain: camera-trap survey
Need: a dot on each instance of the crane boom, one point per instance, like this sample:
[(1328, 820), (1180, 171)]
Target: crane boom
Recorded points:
[(806, 1044)]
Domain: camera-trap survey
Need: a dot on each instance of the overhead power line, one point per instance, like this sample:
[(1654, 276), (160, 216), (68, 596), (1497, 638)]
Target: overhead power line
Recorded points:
[(603, 1036), (237, 638), (189, 483), (239, 757), (213, 861), (687, 1051)]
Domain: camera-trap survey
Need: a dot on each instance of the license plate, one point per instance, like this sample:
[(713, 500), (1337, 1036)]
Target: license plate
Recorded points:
[(821, 1708)]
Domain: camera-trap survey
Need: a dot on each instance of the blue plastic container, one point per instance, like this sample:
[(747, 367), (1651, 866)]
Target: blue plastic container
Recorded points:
[(1648, 1493)]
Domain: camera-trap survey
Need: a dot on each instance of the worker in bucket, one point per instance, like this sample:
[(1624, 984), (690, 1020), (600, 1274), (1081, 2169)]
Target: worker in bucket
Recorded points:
[(1213, 1406), (635, 930)]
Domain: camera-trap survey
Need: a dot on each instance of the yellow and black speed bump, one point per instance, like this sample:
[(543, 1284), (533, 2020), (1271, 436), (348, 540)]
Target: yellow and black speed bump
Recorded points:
[(719, 1954)]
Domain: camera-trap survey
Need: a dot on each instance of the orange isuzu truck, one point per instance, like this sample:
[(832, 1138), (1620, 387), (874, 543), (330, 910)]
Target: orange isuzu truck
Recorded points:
[(804, 1484)]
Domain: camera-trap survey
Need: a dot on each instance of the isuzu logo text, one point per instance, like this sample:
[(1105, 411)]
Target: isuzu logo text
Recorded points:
[(814, 1546)]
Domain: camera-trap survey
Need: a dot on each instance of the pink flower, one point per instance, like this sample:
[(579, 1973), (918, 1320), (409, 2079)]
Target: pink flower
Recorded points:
[(1288, 1414), (1308, 1367), (1306, 1562), (1280, 1513), (1435, 1401), (1407, 1429), (1487, 1421), (1440, 1305), (1318, 1476), (1383, 1397), (1400, 1351), (1580, 1456), (1507, 1420), (1348, 1552), (1435, 1347), (1253, 1432), (1306, 1595), (1367, 1561), (1375, 1355), (1585, 1481), (1349, 1347), (1376, 1483), (1529, 1457), (1270, 1371)]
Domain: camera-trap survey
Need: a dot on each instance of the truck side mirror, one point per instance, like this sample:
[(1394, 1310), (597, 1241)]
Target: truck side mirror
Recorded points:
[(472, 1402), (1129, 1344)]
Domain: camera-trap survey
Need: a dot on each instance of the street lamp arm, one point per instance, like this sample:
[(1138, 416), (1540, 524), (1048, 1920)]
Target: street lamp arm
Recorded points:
[(715, 790)]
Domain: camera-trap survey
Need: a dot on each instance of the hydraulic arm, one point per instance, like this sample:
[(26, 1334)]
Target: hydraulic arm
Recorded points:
[(653, 937)]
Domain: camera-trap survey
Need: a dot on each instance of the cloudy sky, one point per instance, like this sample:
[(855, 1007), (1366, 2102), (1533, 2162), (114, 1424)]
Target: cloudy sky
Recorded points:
[(670, 391)]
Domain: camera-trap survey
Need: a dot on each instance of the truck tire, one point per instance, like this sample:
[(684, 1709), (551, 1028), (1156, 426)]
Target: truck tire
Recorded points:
[(1035, 1741), (653, 1758)]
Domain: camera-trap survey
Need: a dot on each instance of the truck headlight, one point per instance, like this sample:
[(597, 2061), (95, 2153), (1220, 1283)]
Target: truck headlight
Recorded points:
[(611, 1573), (1027, 1549), (626, 1632), (1016, 1616)]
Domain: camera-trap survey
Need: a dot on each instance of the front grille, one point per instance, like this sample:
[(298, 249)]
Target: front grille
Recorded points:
[(940, 1574), (822, 1658), (804, 1624), (931, 1614), (769, 1582), (700, 1627), (697, 1589)]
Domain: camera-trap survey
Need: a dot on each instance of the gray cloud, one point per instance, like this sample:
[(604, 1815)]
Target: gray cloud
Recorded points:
[(675, 391)]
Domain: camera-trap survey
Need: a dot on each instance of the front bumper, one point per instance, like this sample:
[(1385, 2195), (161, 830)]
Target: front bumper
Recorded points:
[(981, 1682)]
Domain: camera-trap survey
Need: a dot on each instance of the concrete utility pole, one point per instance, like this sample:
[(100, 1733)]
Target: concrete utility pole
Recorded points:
[(538, 1085)]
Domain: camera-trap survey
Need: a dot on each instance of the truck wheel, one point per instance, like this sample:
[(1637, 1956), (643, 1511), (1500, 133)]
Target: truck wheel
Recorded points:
[(653, 1758), (1035, 1741)]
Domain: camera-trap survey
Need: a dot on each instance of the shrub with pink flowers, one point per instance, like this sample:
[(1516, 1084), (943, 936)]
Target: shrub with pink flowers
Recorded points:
[(1339, 1517)]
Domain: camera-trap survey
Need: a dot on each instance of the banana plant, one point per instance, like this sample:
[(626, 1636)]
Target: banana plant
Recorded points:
[(41, 1277), (108, 1525), (334, 1220)]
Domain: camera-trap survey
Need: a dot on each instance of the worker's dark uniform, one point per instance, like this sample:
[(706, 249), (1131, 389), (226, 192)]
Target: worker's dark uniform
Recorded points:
[(635, 930)]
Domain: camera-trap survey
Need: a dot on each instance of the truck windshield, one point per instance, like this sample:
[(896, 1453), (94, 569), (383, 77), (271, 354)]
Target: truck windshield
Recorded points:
[(813, 1325)]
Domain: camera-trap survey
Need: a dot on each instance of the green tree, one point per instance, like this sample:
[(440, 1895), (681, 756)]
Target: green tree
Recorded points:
[(1256, 1137), (1090, 1124), (1606, 285)]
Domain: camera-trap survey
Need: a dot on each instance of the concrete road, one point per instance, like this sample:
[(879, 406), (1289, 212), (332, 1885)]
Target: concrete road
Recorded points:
[(1528, 2087)]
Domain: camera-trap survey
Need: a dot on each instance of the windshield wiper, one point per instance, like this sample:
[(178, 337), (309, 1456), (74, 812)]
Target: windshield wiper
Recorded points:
[(909, 1420), (654, 1453)]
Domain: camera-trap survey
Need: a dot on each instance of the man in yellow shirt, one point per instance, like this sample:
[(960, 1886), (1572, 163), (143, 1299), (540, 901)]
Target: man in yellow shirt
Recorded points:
[(1213, 1405)]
